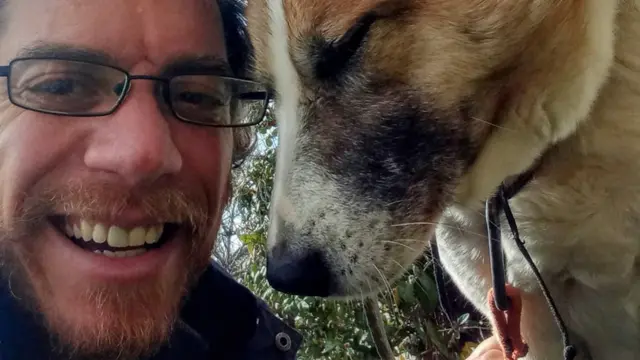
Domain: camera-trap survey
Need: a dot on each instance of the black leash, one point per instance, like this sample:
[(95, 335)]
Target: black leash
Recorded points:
[(496, 204), (497, 266), (438, 274)]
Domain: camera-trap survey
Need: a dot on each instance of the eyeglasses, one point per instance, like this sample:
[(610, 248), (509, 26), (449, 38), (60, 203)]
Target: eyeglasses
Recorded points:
[(85, 89)]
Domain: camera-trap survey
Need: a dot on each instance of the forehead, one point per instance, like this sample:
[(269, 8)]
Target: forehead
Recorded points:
[(131, 31)]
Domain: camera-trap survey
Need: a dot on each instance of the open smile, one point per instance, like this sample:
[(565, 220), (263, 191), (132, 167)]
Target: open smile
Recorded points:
[(113, 240), (125, 249)]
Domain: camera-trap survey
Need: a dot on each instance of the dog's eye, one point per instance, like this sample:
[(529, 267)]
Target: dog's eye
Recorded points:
[(336, 55)]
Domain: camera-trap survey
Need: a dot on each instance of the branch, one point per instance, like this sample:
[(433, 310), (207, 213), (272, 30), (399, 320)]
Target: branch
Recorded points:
[(376, 326)]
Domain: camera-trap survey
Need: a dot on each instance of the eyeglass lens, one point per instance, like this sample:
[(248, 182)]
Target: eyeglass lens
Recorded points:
[(85, 89), (64, 86)]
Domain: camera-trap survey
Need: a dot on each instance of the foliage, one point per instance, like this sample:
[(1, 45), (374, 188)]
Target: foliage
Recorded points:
[(414, 322)]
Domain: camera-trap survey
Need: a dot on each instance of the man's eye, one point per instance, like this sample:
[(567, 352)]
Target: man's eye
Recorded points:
[(199, 99), (59, 87), (62, 86), (63, 92)]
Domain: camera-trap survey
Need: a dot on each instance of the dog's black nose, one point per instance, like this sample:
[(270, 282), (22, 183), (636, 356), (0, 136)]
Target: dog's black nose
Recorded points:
[(305, 274)]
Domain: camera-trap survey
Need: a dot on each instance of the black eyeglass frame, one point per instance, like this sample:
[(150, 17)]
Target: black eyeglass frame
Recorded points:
[(265, 96)]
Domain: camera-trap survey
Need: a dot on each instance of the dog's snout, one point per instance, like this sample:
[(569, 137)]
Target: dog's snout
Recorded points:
[(303, 272), (306, 275)]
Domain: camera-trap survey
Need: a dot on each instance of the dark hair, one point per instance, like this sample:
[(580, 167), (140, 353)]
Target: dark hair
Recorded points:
[(235, 33), (238, 53)]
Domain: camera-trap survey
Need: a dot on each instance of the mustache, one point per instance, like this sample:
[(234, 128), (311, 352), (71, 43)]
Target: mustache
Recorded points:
[(163, 202)]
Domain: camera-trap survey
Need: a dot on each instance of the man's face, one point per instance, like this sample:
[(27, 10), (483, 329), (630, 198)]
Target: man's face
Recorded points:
[(105, 221)]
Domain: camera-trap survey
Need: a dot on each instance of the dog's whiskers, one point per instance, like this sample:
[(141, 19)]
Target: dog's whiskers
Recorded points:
[(393, 308), (356, 283), (389, 291), (369, 286), (478, 212), (404, 269), (475, 118), (451, 226), (416, 223)]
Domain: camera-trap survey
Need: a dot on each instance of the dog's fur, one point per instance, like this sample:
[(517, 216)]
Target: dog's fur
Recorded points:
[(442, 101)]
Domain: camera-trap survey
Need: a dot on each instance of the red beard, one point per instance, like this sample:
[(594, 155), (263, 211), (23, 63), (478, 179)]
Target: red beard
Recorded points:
[(105, 319)]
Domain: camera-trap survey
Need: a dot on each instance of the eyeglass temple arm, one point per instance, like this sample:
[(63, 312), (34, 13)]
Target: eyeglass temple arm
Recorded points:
[(4, 71), (254, 95)]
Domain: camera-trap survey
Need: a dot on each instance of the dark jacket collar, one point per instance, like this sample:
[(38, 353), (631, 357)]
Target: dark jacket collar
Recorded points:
[(221, 319)]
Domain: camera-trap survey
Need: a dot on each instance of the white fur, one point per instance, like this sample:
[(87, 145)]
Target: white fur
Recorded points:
[(288, 85), (550, 114), (580, 216)]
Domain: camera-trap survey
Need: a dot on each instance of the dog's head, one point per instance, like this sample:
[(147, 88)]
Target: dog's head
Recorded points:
[(388, 112)]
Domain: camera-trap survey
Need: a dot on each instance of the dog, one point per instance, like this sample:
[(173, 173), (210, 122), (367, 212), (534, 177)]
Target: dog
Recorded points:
[(398, 119)]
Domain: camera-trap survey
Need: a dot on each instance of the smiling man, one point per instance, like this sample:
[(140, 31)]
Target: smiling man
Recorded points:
[(119, 123)]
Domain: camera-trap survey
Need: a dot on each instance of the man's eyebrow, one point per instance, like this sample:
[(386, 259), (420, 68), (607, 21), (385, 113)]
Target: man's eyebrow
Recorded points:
[(183, 64), (68, 52), (202, 64)]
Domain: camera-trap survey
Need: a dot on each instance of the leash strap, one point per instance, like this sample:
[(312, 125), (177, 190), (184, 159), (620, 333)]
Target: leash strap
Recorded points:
[(506, 324), (503, 297), (496, 255), (438, 275)]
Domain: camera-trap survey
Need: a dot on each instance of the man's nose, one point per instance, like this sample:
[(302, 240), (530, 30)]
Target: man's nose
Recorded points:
[(135, 142)]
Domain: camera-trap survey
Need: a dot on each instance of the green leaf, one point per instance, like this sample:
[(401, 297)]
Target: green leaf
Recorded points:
[(250, 239), (463, 319), (329, 346), (304, 305), (427, 293), (267, 293), (406, 293)]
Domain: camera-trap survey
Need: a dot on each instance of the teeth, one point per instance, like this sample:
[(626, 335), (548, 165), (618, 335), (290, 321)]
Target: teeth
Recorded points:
[(153, 235), (87, 231), (121, 254), (136, 252), (68, 229), (136, 236), (76, 232), (115, 236), (99, 233)]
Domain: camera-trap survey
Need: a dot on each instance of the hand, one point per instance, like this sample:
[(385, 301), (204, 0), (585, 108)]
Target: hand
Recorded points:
[(487, 350)]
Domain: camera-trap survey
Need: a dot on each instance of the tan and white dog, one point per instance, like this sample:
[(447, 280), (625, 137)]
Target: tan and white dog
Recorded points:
[(398, 118)]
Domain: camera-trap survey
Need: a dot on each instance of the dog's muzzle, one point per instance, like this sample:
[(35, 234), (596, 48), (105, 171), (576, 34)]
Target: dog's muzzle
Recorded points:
[(298, 271)]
